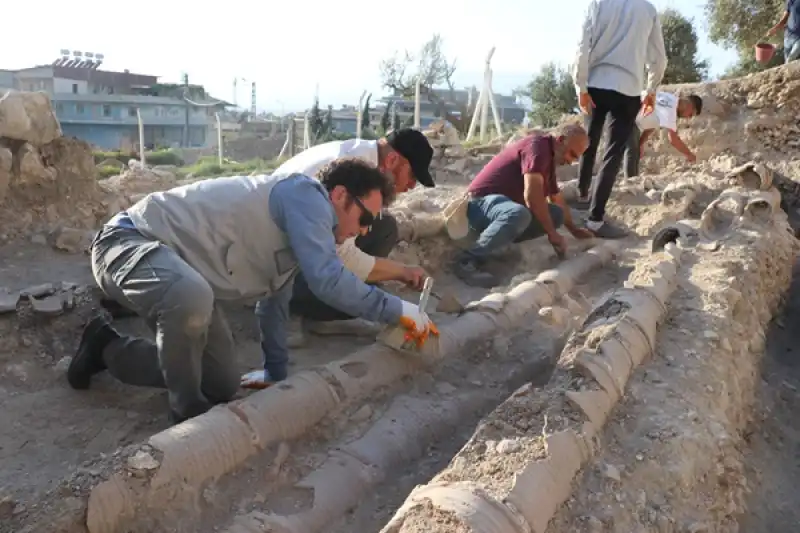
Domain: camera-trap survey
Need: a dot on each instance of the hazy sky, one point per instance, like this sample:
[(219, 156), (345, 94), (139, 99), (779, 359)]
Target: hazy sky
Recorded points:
[(290, 48)]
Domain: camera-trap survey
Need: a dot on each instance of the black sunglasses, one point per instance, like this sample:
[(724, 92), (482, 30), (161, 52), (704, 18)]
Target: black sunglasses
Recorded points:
[(366, 219)]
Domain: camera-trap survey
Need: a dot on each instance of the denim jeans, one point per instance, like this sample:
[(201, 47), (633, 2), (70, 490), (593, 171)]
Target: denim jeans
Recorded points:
[(502, 221), (791, 47)]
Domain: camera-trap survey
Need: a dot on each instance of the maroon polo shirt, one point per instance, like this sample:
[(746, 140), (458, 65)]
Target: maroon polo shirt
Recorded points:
[(504, 174)]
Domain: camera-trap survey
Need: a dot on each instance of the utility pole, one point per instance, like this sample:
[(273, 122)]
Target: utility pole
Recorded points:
[(185, 142)]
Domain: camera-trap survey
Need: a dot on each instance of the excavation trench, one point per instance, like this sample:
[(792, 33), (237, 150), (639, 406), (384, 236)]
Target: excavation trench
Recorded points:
[(184, 461)]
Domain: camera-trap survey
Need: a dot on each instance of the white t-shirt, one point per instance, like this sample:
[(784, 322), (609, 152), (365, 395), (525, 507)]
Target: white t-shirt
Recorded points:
[(310, 161), (665, 114)]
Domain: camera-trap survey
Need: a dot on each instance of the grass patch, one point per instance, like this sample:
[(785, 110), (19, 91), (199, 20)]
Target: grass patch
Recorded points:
[(106, 171), (209, 167), (157, 157)]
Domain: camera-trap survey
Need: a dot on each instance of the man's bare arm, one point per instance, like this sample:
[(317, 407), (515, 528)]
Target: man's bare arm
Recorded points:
[(536, 201), (679, 145)]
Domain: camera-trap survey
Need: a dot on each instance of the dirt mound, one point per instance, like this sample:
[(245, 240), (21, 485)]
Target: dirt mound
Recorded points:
[(46, 180)]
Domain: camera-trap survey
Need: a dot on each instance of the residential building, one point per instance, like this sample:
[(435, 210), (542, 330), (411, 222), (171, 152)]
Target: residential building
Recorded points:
[(510, 111), (101, 106), (346, 120)]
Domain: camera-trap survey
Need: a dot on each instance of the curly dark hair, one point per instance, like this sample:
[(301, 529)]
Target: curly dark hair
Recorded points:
[(358, 177)]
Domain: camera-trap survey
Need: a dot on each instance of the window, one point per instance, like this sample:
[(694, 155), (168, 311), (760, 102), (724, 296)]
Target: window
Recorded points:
[(74, 88), (131, 111), (79, 108), (59, 108), (106, 110)]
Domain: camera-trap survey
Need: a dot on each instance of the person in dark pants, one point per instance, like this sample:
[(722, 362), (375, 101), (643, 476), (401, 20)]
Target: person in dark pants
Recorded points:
[(620, 38)]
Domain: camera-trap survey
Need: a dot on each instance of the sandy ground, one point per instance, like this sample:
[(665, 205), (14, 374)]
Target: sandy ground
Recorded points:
[(774, 437)]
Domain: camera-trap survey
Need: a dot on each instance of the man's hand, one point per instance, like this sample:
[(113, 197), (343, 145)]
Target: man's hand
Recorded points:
[(775, 29), (691, 157), (417, 324), (414, 277), (641, 151), (581, 233), (648, 104), (585, 103), (559, 244)]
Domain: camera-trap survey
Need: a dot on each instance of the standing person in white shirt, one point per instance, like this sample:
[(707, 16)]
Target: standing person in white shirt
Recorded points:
[(404, 156), (620, 38), (669, 108)]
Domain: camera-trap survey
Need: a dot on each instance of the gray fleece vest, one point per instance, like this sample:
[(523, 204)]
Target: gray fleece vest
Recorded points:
[(223, 229)]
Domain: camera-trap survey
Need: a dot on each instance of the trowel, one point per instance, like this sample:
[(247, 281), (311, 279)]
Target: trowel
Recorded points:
[(396, 337)]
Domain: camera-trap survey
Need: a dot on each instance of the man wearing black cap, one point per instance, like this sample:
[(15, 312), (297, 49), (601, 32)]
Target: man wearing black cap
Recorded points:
[(404, 156)]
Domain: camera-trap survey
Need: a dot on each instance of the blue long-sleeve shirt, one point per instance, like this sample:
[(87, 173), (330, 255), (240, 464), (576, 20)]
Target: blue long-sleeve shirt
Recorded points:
[(301, 207)]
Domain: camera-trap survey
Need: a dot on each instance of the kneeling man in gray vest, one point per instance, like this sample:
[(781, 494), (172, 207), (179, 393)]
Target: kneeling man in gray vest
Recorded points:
[(174, 255)]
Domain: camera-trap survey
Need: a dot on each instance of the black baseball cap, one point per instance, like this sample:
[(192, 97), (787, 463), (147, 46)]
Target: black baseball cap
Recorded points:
[(414, 146)]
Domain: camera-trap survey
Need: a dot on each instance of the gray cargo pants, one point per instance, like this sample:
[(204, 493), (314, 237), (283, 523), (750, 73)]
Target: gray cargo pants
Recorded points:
[(193, 355)]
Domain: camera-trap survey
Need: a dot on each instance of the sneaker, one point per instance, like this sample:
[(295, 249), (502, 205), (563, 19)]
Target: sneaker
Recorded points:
[(468, 272), (356, 327), (88, 359), (608, 231)]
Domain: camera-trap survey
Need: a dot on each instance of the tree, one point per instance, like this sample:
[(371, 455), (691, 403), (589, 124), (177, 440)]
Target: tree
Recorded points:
[(365, 122), (680, 42), (740, 24), (328, 124), (395, 118), (399, 73), (386, 118), (315, 123), (552, 94)]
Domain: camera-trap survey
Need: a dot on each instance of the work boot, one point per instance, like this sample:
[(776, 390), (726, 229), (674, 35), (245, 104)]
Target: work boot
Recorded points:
[(88, 359), (468, 271), (580, 203), (356, 327)]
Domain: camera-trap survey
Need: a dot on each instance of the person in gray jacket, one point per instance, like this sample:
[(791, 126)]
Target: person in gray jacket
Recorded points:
[(174, 255)]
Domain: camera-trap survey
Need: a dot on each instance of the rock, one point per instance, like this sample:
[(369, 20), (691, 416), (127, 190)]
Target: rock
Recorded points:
[(142, 461), (8, 301), (71, 240), (52, 305), (362, 414), (63, 364), (6, 161), (508, 446), (28, 116), (612, 472), (31, 167), (37, 291), (7, 507)]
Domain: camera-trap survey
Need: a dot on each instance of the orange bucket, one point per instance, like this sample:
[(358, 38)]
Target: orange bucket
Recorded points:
[(764, 52)]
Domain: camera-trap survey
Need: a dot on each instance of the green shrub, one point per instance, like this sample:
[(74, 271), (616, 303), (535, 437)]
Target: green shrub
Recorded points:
[(107, 171), (208, 167), (163, 157)]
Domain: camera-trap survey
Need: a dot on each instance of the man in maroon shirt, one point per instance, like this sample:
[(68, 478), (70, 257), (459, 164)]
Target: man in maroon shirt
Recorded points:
[(509, 199)]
